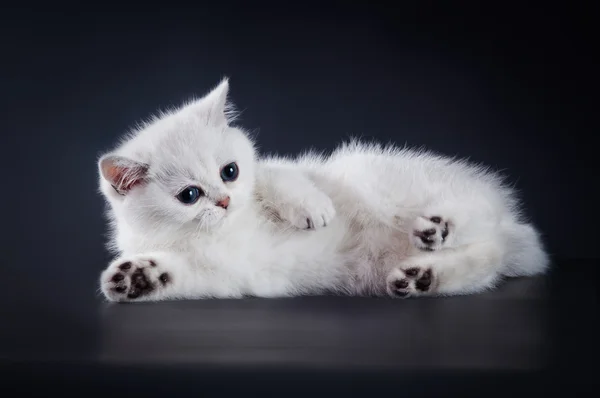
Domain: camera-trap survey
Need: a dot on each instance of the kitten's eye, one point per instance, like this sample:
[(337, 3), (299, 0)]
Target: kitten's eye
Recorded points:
[(230, 172), (190, 195)]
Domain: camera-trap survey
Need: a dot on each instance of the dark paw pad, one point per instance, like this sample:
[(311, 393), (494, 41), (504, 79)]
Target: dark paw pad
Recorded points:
[(421, 277), (401, 284), (400, 287), (445, 232), (427, 236), (424, 281), (164, 278), (140, 284)]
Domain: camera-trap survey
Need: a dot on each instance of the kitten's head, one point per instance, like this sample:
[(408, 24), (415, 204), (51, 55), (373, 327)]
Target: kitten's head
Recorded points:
[(188, 169)]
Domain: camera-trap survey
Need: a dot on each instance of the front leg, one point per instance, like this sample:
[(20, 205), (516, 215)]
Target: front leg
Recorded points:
[(149, 277), (160, 276), (293, 198), (157, 276)]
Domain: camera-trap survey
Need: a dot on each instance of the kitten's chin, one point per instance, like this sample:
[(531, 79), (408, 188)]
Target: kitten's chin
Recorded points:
[(216, 221), (204, 226)]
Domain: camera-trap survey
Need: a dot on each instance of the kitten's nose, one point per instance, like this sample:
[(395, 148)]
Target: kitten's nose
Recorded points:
[(223, 202)]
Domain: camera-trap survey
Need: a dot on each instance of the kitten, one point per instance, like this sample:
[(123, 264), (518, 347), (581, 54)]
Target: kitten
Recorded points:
[(195, 214)]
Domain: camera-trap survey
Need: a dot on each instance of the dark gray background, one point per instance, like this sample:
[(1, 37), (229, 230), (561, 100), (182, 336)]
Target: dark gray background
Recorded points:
[(505, 85)]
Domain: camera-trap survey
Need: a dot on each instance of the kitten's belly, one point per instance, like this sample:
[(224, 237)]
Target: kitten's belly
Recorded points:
[(339, 257), (264, 261)]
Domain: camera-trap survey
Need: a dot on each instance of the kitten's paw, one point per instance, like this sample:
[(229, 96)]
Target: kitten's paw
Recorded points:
[(312, 212), (411, 280), (429, 233), (133, 279)]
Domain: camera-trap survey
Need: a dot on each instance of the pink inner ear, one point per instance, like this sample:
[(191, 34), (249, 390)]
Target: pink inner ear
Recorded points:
[(123, 178)]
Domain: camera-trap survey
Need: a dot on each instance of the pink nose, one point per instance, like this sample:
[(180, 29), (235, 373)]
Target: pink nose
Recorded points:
[(224, 203)]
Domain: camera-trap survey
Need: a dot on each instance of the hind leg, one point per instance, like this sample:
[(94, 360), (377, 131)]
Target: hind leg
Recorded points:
[(451, 223), (458, 249), (476, 254), (463, 270)]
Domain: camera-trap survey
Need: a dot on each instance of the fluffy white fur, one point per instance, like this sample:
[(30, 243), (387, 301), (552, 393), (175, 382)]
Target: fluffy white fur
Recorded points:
[(364, 220)]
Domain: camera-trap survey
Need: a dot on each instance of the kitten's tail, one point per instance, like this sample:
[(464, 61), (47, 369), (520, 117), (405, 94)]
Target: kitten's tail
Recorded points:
[(525, 251)]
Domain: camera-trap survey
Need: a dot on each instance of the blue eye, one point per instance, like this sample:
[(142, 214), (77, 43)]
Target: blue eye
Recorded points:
[(190, 195), (230, 172)]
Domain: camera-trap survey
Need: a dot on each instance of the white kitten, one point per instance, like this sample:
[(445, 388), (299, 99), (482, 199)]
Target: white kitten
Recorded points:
[(195, 214)]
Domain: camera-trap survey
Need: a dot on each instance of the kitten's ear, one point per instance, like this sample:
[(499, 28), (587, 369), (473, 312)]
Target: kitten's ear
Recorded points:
[(215, 106), (122, 173)]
